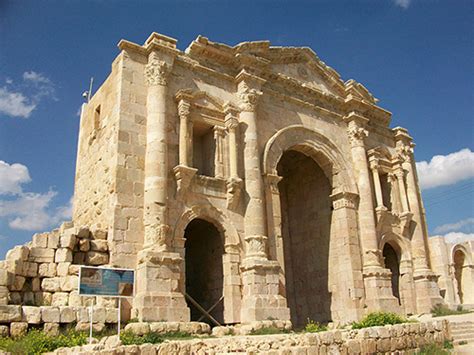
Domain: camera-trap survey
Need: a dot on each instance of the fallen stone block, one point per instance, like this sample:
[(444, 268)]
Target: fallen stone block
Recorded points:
[(4, 331)]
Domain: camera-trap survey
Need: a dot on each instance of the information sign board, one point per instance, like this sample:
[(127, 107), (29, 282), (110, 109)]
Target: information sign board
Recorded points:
[(110, 282)]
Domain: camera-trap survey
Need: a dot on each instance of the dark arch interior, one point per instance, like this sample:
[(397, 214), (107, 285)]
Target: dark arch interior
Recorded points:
[(459, 258), (204, 270), (392, 263), (306, 226)]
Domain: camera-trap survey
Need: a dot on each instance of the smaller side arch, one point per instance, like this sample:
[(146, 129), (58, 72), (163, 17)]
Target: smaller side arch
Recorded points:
[(462, 248), (229, 233)]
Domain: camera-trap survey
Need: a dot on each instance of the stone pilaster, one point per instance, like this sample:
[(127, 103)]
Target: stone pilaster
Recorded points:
[(159, 271), (234, 183), (427, 291), (348, 280), (219, 135), (261, 298), (376, 278)]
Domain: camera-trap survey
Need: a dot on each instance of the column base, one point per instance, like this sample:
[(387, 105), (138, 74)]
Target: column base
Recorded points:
[(378, 291), (159, 294), (261, 299), (427, 291)]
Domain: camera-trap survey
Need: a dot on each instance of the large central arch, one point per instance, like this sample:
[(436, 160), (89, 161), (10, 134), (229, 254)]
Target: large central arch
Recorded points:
[(331, 242)]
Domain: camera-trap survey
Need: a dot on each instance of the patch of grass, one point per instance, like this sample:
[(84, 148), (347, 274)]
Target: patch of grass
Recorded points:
[(379, 319), (434, 349), (268, 331), (314, 327), (128, 338), (441, 310), (38, 342)]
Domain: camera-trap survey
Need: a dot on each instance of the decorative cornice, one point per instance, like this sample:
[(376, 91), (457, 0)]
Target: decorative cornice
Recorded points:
[(344, 199)]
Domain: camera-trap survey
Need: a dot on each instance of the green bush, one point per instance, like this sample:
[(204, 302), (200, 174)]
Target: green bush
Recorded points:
[(38, 342), (379, 318), (434, 349), (128, 338), (314, 327), (441, 310), (268, 331)]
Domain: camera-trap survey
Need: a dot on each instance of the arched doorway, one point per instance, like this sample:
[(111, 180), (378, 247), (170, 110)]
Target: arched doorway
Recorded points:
[(204, 269), (392, 262), (459, 259), (306, 225)]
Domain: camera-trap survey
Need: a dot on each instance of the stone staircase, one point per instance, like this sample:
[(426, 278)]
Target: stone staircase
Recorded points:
[(462, 332)]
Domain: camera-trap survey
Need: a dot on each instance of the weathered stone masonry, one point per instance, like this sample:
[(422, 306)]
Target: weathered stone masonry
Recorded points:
[(309, 202)]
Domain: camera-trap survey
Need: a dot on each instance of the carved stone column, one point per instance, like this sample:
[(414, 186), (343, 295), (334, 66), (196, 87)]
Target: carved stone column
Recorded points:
[(156, 162), (368, 236), (374, 167), (234, 182), (376, 278), (401, 186), (219, 134), (255, 224), (427, 291), (184, 173), (261, 291), (159, 270)]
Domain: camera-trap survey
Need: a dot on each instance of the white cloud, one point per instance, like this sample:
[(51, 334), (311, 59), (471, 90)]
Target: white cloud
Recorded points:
[(21, 101), (35, 77), (467, 223), (457, 237), (446, 169), (11, 178), (404, 4), (27, 210), (15, 104)]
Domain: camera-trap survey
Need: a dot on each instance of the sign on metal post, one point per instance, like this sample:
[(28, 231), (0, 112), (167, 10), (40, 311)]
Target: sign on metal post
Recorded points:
[(108, 282)]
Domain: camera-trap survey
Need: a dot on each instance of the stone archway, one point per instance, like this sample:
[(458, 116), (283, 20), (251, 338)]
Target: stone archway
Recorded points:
[(392, 262), (346, 294), (460, 261), (220, 225), (306, 229), (204, 274)]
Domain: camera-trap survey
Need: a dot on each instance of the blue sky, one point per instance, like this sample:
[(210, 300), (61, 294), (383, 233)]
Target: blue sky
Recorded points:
[(415, 56)]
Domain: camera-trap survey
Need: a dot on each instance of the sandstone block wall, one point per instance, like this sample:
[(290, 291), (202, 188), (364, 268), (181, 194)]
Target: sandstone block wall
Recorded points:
[(39, 280), (400, 339)]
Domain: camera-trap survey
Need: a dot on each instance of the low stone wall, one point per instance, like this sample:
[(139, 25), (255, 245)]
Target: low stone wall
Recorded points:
[(400, 338), (39, 280)]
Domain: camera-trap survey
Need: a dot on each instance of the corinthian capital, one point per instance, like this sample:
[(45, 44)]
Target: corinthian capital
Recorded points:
[(156, 71), (405, 151), (248, 97), (184, 109), (356, 134)]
